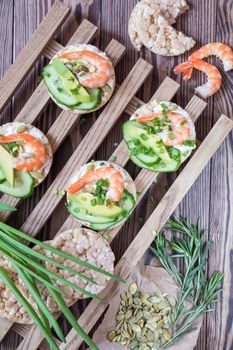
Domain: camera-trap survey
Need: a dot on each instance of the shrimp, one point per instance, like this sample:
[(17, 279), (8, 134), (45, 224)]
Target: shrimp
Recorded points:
[(180, 130), (99, 69), (116, 182), (222, 51), (33, 156), (214, 79)]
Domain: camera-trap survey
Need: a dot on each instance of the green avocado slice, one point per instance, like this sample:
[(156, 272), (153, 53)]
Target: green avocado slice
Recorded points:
[(84, 200), (70, 82)]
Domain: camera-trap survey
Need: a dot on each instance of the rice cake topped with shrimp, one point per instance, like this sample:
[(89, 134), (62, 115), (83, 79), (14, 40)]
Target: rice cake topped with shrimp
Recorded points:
[(80, 78), (101, 195), (31, 157), (84, 244), (160, 136)]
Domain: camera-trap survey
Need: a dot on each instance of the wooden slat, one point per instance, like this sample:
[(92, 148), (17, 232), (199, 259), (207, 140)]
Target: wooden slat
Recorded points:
[(155, 223), (89, 144), (167, 90), (32, 51)]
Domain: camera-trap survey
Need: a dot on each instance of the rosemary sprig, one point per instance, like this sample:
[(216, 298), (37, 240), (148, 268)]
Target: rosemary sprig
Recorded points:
[(195, 290), (7, 207)]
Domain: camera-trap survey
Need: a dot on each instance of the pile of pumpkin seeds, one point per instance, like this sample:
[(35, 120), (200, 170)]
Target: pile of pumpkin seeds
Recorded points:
[(143, 321)]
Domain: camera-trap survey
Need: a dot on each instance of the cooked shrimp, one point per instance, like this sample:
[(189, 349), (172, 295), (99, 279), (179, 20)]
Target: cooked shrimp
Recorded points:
[(222, 51), (116, 182), (180, 129), (214, 79), (32, 157), (99, 69)]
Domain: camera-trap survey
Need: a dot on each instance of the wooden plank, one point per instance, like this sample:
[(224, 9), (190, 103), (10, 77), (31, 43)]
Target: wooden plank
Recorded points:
[(154, 224), (89, 144), (32, 51)]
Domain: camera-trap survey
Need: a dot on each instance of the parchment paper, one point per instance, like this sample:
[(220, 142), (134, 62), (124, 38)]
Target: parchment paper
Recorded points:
[(149, 279)]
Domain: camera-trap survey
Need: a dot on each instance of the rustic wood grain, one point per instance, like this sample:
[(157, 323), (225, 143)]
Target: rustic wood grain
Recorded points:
[(30, 54), (211, 195)]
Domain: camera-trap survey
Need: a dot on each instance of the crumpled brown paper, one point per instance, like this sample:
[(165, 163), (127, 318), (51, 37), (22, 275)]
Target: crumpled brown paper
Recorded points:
[(149, 279)]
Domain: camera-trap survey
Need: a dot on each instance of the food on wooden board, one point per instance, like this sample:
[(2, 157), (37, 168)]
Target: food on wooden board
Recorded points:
[(34, 282), (25, 158), (80, 78), (160, 136), (101, 195), (222, 51), (143, 320), (150, 25)]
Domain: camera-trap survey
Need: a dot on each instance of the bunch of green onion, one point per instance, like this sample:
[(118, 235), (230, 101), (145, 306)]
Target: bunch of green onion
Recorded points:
[(27, 263)]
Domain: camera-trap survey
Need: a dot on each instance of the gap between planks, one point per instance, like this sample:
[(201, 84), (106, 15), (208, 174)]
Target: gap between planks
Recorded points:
[(155, 223), (32, 51)]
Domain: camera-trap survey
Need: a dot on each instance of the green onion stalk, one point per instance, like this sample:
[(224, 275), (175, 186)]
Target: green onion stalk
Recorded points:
[(28, 263)]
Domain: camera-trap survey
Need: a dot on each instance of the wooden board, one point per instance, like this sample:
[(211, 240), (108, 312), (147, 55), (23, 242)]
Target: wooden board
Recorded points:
[(200, 190)]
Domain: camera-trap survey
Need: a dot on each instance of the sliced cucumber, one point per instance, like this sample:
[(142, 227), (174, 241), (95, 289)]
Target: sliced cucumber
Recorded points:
[(145, 158), (159, 167), (95, 95), (2, 177), (78, 212), (133, 131), (127, 202), (23, 185), (103, 227)]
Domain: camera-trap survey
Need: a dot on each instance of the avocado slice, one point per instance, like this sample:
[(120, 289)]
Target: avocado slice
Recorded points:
[(6, 165), (133, 130), (84, 201), (70, 82)]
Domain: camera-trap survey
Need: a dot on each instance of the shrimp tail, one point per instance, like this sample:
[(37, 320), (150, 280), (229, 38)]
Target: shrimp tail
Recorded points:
[(76, 186), (187, 74), (186, 68)]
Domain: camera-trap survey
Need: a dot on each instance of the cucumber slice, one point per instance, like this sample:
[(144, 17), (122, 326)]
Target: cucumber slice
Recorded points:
[(2, 177), (56, 88), (133, 131), (103, 227), (145, 158), (159, 167), (78, 212), (95, 95), (23, 185), (127, 202)]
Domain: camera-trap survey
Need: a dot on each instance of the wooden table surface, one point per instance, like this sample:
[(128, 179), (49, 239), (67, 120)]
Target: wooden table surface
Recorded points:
[(210, 198)]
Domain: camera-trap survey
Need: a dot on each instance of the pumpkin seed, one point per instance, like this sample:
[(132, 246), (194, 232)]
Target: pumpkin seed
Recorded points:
[(120, 317), (136, 328), (167, 335), (21, 128), (133, 288), (171, 300), (128, 314), (154, 300), (123, 296), (111, 335)]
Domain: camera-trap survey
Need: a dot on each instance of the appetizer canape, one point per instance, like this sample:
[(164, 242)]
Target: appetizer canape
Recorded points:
[(80, 78), (25, 158), (160, 136), (84, 244), (101, 195)]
